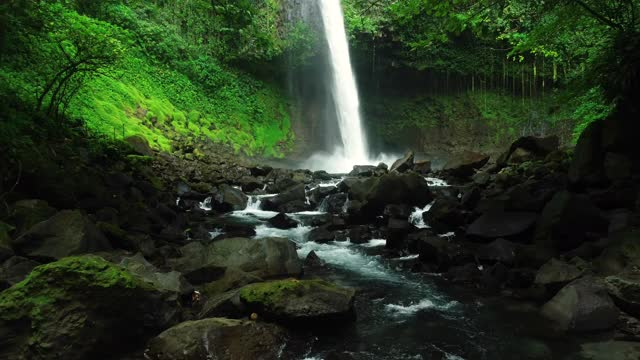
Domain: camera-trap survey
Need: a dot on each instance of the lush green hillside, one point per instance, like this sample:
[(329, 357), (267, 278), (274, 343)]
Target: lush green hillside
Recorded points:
[(163, 70)]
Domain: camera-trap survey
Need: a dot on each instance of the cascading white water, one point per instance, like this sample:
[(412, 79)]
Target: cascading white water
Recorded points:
[(344, 90), (354, 149)]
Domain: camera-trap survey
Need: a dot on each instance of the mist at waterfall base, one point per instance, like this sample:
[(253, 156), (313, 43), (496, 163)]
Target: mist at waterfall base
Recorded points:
[(345, 100)]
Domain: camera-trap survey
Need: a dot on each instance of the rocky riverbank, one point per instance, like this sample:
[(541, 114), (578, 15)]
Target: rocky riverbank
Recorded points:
[(148, 255)]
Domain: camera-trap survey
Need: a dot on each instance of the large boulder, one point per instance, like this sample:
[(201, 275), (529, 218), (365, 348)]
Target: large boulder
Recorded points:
[(363, 170), (609, 350), (294, 195), (499, 250), (171, 281), (67, 233), (301, 302), (557, 273), (625, 291), (373, 194), (566, 220), (265, 258), (139, 144), (27, 213), (282, 221), (623, 254), (497, 224), (465, 164), (588, 156), (218, 338), (445, 215), (582, 306), (79, 308), (403, 164), (229, 198), (529, 148), (14, 270)]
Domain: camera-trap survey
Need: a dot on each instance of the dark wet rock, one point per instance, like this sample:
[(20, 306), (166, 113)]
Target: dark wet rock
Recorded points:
[(250, 183), (422, 167), (397, 211), (566, 220), (555, 274), (582, 306), (494, 276), (313, 261), (229, 198), (268, 257), (436, 250), (465, 164), (403, 164), (69, 232), (5, 241), (296, 194), (530, 196), (283, 221), (499, 250), (445, 215), (14, 270), (218, 338), (232, 279), (321, 235), (609, 350), (78, 319), (334, 204), (139, 144), (363, 170), (397, 231), (171, 281), (622, 254), (617, 166), (319, 193), (27, 213), (464, 274), (373, 194), (226, 304), (529, 148), (322, 175), (501, 224), (520, 278), (471, 197), (360, 234), (619, 195), (588, 157), (260, 170), (303, 302), (625, 291)]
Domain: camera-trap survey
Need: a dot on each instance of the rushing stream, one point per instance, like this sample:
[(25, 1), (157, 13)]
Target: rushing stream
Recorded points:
[(402, 314)]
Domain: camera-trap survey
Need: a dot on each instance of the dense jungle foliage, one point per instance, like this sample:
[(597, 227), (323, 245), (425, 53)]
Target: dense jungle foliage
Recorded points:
[(169, 70)]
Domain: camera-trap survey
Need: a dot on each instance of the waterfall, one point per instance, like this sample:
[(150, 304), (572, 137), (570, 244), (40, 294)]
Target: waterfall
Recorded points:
[(344, 90)]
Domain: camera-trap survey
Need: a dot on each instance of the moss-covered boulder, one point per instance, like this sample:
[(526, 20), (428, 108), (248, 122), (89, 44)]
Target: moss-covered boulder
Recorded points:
[(625, 291), (218, 338), (67, 233), (300, 302), (79, 308)]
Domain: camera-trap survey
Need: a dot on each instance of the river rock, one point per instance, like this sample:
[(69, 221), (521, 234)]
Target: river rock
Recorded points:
[(566, 220), (27, 213), (313, 260), (609, 350), (305, 302), (397, 231), (557, 273), (282, 221), (218, 338), (625, 291), (623, 254), (334, 204), (321, 235), (171, 281), (373, 194), (403, 164), (529, 148), (14, 270), (139, 145), (229, 199), (445, 215), (500, 250), (422, 167), (582, 306), (5, 241), (588, 156), (268, 257), (497, 224), (296, 195), (465, 164), (67, 233), (91, 307), (363, 170)]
